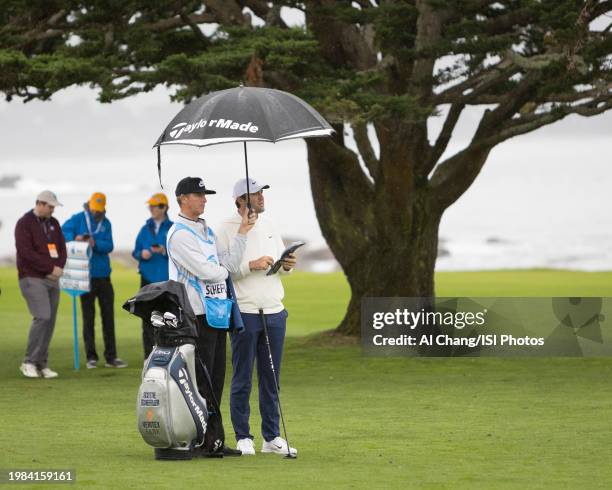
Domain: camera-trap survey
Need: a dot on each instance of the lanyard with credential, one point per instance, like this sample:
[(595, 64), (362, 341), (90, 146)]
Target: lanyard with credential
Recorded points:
[(88, 222)]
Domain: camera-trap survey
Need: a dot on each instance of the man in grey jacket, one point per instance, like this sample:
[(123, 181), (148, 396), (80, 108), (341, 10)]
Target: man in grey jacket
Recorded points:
[(196, 261)]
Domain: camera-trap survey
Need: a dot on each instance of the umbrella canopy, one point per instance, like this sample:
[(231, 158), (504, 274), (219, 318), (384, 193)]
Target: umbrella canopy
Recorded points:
[(244, 114)]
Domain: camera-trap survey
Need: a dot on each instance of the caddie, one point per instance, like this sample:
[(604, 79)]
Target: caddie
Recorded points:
[(197, 262)]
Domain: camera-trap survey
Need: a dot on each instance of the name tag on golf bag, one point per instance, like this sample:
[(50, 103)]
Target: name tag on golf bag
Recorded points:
[(171, 412)]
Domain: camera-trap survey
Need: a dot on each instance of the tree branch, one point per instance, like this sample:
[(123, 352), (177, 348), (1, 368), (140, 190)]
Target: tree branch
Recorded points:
[(531, 122), (340, 42), (455, 175), (180, 20), (195, 28), (452, 177), (227, 12), (477, 84), (599, 9), (269, 13), (506, 22), (444, 137), (360, 132), (428, 33)]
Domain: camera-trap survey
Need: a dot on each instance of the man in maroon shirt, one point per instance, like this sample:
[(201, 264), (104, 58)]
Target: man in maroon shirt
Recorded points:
[(41, 255)]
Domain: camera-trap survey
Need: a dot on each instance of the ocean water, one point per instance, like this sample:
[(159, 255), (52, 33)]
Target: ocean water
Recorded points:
[(537, 204)]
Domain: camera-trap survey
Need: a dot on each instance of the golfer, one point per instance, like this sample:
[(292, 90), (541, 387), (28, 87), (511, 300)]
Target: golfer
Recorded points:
[(150, 252), (91, 225), (255, 291), (41, 256), (197, 262)]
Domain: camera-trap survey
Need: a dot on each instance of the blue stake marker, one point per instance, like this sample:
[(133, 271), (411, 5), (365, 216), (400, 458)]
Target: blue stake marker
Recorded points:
[(75, 334)]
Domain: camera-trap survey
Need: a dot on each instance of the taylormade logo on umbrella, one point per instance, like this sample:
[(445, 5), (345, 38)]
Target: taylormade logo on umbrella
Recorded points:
[(180, 128)]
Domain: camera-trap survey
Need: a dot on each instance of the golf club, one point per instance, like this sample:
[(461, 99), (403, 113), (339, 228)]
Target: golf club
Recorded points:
[(265, 327), (157, 320)]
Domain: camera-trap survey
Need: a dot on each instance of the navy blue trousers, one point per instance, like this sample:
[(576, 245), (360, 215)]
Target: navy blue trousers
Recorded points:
[(249, 347)]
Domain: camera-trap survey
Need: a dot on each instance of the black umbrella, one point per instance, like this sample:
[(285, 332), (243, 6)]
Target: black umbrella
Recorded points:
[(242, 114)]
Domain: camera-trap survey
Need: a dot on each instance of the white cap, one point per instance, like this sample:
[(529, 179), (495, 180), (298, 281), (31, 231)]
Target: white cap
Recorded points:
[(240, 187), (48, 197)]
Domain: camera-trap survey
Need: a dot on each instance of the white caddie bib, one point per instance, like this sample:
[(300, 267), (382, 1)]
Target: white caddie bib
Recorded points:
[(208, 249)]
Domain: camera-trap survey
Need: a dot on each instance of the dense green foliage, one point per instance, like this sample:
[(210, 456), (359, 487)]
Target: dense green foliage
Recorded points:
[(355, 60)]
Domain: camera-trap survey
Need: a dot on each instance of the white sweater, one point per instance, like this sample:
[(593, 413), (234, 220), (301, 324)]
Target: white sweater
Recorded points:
[(255, 290), (208, 262)]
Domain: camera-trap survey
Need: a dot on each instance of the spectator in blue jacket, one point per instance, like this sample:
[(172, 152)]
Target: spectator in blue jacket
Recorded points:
[(150, 252), (91, 225)]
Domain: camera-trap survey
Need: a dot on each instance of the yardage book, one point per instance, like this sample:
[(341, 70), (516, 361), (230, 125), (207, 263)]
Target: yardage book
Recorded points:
[(289, 250)]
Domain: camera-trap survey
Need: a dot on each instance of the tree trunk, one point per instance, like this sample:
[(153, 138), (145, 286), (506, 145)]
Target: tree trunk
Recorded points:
[(387, 246)]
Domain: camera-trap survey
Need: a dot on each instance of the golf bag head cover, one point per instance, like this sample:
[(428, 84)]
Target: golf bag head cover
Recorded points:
[(166, 297), (172, 415)]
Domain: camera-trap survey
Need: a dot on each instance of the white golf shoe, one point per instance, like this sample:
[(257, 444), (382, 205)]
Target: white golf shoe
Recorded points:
[(277, 445), (48, 373), (246, 446), (29, 370)]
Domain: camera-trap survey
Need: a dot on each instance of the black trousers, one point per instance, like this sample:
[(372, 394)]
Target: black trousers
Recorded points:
[(101, 288), (147, 329), (210, 346)]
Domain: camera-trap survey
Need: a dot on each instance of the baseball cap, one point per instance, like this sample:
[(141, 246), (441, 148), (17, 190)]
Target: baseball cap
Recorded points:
[(192, 185), (240, 187), (158, 199), (97, 202), (48, 197)]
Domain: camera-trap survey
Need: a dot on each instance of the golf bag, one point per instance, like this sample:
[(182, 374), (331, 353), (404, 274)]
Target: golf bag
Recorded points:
[(172, 415)]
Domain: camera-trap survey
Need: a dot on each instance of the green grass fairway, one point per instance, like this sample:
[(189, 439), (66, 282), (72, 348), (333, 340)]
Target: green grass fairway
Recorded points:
[(357, 422)]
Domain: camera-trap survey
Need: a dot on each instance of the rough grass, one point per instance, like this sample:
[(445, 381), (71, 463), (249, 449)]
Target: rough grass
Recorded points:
[(357, 422)]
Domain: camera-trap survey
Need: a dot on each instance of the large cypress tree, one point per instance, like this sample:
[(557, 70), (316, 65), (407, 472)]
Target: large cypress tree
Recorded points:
[(386, 65)]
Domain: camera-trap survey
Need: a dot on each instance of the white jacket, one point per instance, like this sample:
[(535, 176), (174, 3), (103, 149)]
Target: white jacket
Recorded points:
[(255, 290), (202, 258)]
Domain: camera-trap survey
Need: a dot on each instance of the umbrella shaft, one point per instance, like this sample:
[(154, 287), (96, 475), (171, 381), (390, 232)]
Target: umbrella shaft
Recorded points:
[(246, 166)]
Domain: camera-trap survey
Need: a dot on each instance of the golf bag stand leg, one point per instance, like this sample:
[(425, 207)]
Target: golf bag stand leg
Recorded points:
[(265, 328)]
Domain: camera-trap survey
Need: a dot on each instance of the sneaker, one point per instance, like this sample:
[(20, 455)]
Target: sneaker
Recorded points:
[(29, 370), (92, 364), (48, 373), (277, 445), (116, 363), (246, 446)]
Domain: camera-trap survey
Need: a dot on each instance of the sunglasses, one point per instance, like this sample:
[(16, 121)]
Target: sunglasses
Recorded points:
[(159, 206)]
